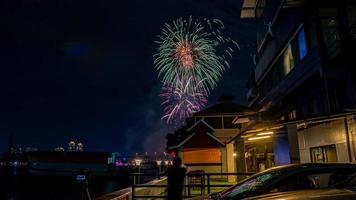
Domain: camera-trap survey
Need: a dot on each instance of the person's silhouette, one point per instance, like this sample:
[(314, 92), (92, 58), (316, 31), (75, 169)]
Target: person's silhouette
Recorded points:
[(176, 175)]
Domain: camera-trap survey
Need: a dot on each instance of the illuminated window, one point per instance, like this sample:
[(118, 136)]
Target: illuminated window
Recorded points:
[(302, 45), (292, 114), (288, 61)]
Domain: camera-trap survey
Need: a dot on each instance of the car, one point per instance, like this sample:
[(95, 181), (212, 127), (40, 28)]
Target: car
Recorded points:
[(287, 178), (316, 194), (345, 190)]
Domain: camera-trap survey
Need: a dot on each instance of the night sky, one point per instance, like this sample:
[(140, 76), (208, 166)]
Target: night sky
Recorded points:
[(83, 70)]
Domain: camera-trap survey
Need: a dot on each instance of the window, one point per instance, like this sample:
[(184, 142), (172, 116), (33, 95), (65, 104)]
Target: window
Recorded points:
[(215, 122), (330, 31), (302, 44), (292, 114), (351, 11), (295, 51), (288, 61), (228, 122), (260, 7), (323, 154), (316, 179), (298, 182), (250, 185)]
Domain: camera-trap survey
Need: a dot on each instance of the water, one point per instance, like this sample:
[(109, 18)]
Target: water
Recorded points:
[(47, 186), (58, 187)]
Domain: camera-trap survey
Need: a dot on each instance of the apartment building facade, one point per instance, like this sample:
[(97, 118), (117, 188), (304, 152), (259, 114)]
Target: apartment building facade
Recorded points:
[(303, 85)]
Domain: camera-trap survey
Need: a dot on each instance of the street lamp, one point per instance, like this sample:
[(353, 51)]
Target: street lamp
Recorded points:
[(159, 162), (138, 163)]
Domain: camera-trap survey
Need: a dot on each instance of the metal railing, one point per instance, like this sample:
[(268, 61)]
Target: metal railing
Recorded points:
[(205, 183)]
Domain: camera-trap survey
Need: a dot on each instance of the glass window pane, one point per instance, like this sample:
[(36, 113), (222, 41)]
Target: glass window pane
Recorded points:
[(302, 44), (228, 122), (215, 122), (288, 61)]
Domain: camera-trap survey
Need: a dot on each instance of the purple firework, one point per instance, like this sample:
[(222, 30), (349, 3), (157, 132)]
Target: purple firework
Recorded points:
[(181, 100)]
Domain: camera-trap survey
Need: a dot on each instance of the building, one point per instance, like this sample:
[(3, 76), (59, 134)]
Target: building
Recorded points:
[(303, 85), (201, 150), (206, 142)]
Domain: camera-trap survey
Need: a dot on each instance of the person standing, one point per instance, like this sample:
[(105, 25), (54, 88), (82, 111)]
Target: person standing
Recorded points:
[(176, 175)]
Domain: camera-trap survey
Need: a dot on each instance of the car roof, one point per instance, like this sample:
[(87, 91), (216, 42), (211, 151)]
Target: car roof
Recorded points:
[(310, 165), (296, 168), (305, 166), (308, 194)]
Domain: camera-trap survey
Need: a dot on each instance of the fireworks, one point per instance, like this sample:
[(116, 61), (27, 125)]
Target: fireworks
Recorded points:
[(181, 101), (190, 48), (190, 60)]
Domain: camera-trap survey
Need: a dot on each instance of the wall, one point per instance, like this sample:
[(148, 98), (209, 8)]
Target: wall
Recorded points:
[(225, 135), (351, 121), (224, 160), (230, 161), (202, 155), (206, 168), (323, 134)]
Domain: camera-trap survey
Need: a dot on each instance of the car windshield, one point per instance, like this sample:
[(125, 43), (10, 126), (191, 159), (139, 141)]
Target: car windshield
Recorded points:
[(350, 183), (248, 186)]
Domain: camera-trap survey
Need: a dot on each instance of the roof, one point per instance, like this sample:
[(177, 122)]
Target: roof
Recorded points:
[(198, 122), (191, 136)]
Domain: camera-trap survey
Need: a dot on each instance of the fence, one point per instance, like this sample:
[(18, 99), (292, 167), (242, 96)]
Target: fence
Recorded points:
[(203, 181)]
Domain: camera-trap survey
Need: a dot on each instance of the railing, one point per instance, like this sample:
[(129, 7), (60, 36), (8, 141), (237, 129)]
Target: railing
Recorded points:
[(204, 184)]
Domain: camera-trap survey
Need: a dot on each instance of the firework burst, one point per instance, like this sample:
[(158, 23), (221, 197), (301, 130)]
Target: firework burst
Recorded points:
[(189, 48), (181, 100)]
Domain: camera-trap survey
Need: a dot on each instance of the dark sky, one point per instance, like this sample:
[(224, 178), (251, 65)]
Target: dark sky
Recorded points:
[(82, 70)]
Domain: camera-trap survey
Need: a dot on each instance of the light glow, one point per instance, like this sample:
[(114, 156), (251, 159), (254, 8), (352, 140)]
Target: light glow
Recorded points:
[(138, 162), (266, 133), (259, 138)]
